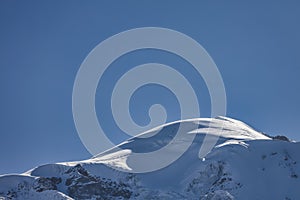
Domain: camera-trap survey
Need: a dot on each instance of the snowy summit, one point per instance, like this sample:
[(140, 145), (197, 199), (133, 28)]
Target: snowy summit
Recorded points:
[(226, 159)]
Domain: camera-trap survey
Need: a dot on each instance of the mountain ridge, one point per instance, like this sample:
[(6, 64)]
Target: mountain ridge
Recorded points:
[(241, 162)]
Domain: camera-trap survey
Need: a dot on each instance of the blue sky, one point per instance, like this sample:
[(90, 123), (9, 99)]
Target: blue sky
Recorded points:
[(42, 45)]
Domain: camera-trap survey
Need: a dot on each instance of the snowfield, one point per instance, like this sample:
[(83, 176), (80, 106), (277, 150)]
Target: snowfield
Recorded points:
[(243, 164)]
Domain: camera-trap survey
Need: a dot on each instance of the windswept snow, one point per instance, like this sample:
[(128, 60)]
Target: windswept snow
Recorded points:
[(228, 128)]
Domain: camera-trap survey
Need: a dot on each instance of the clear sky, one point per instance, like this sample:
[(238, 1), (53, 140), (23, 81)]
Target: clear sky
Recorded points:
[(42, 45)]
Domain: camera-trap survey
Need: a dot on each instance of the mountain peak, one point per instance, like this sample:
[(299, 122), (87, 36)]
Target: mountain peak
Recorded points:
[(238, 158)]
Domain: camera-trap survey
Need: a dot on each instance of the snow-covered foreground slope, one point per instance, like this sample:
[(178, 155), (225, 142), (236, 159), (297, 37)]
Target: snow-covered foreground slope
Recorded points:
[(244, 164)]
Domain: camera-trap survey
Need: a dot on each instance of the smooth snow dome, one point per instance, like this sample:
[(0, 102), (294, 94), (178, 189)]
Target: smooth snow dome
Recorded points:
[(222, 127), (242, 161)]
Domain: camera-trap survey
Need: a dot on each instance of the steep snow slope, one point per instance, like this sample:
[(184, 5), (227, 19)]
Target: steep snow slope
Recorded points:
[(244, 164)]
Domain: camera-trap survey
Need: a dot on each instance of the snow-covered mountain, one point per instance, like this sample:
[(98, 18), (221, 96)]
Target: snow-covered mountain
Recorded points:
[(244, 164)]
